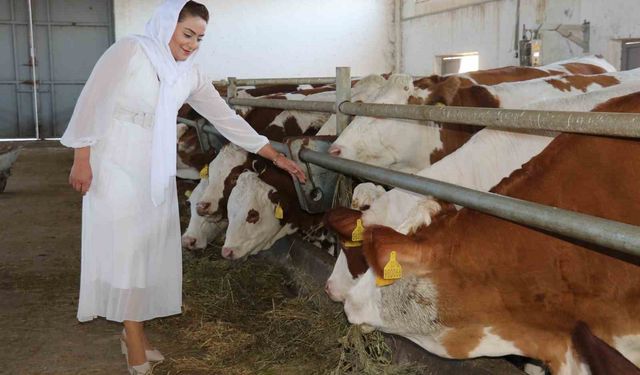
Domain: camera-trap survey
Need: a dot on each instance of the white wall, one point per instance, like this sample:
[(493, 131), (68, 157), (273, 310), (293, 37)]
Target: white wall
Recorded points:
[(439, 27), (285, 38)]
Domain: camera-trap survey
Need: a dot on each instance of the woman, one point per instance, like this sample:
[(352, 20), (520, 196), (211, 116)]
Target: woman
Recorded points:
[(123, 130)]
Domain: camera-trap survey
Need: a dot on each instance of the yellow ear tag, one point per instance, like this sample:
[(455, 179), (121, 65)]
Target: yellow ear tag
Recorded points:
[(440, 105), (393, 270), (351, 244), (356, 235), (204, 172), (383, 282), (187, 193), (279, 213)]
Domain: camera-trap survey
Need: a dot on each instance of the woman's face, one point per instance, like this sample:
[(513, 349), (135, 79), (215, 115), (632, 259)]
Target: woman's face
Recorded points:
[(187, 36)]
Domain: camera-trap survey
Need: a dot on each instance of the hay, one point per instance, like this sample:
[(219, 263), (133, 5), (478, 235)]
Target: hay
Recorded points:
[(255, 317)]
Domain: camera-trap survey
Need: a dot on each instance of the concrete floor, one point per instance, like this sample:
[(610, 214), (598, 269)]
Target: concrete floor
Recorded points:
[(39, 275)]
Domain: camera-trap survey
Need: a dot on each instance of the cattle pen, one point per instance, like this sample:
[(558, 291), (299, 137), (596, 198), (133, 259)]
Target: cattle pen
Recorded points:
[(621, 237), (605, 234)]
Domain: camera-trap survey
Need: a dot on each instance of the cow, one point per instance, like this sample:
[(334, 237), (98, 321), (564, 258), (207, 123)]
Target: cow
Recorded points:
[(480, 164), (476, 285), (486, 158), (350, 263), (213, 202), (200, 232), (261, 92), (191, 158), (410, 146), (264, 207)]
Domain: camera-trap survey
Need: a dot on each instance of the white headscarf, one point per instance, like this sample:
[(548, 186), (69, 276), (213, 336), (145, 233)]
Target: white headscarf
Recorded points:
[(155, 44)]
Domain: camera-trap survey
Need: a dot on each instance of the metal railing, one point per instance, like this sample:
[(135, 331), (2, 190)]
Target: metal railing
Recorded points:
[(618, 236)]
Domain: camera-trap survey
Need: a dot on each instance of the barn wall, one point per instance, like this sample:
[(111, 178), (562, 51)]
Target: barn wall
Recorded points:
[(438, 27), (285, 38)]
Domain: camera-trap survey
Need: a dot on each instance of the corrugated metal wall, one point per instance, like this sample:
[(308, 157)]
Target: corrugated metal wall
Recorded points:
[(69, 37)]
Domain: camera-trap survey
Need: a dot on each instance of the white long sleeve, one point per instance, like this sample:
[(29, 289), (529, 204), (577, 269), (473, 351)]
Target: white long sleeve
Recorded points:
[(207, 102), (94, 109)]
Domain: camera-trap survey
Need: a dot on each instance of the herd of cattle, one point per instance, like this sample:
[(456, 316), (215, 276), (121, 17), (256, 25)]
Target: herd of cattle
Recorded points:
[(472, 285)]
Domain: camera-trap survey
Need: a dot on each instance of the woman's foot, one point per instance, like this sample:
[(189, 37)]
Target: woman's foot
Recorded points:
[(143, 369), (132, 344), (152, 354)]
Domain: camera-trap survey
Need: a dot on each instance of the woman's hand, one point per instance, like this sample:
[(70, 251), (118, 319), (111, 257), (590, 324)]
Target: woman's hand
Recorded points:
[(81, 175), (290, 166), (282, 162)]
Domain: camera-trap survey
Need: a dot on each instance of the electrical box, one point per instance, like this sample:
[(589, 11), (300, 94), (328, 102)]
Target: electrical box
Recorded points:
[(531, 52)]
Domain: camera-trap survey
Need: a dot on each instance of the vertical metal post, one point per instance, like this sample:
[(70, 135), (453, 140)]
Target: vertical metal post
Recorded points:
[(343, 94), (32, 57), (232, 89), (398, 36)]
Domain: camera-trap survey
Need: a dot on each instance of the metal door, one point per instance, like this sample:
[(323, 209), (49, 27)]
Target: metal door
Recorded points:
[(69, 37), (631, 55)]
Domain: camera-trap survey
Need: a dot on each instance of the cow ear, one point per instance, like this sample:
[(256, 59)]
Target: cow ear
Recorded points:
[(379, 242), (445, 91), (342, 220)]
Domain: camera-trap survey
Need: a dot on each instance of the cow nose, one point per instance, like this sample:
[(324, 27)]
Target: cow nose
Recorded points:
[(227, 253), (327, 289), (202, 208), (188, 242), (334, 150)]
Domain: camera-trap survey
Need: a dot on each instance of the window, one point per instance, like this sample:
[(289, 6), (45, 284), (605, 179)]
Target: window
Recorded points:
[(630, 54), (458, 63)]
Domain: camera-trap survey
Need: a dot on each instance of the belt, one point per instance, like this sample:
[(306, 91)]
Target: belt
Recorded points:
[(143, 119)]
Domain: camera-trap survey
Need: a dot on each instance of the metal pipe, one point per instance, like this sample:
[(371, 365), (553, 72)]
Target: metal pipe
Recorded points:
[(597, 123), (32, 56), (454, 8), (300, 105), (343, 94), (232, 89), (397, 20), (612, 124), (603, 232), (286, 81)]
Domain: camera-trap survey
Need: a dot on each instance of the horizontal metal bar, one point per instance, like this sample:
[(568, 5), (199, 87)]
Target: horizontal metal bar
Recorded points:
[(603, 232), (452, 9), (301, 105), (612, 124), (40, 82), (286, 81), (83, 24)]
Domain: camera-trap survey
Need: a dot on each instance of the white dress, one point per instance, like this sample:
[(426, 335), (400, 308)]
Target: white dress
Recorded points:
[(131, 250)]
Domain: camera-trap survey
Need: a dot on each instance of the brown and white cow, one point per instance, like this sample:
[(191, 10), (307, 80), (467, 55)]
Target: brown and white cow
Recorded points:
[(581, 65), (231, 158), (475, 285), (491, 155), (411, 146), (251, 210), (199, 232), (480, 164)]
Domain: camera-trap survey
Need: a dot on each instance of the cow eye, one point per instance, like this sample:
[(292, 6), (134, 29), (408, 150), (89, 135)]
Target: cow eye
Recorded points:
[(253, 216)]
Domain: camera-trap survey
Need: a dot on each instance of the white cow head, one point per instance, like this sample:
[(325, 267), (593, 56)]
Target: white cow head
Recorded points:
[(399, 144), (200, 232), (230, 156), (408, 307), (341, 279), (253, 226)]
